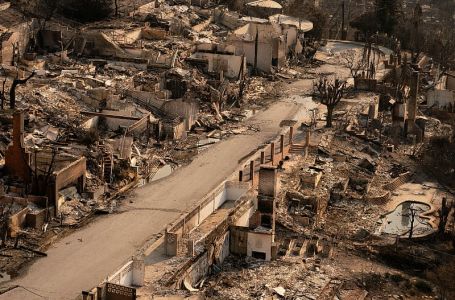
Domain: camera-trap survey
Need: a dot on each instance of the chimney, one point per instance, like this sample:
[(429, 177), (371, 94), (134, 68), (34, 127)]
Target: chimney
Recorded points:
[(412, 101), (18, 129), (17, 159)]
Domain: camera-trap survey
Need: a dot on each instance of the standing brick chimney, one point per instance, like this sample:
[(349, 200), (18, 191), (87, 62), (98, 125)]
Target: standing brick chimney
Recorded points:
[(17, 160)]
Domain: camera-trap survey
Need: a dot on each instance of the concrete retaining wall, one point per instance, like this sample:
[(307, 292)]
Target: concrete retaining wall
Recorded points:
[(131, 274), (226, 191)]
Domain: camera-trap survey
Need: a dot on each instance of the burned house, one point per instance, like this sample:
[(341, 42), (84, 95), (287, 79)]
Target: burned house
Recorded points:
[(267, 43), (442, 96), (261, 236), (216, 58), (261, 43), (42, 172), (263, 8), (17, 33)]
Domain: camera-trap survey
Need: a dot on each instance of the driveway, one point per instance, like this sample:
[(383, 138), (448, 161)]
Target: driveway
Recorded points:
[(83, 259)]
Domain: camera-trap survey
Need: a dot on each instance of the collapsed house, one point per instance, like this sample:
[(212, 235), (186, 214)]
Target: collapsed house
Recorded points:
[(17, 34), (43, 172), (261, 233)]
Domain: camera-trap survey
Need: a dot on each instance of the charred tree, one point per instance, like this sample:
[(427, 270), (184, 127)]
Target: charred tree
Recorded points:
[(444, 212), (2, 95), (87, 10), (12, 91), (330, 94)]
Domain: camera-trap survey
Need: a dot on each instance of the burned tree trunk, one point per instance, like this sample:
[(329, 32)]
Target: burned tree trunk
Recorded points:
[(443, 216), (12, 91), (329, 116), (330, 94), (2, 96)]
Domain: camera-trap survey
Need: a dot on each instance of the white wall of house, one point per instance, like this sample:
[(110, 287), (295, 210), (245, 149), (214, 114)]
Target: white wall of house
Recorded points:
[(264, 55), (130, 274), (229, 64), (244, 220), (260, 242), (440, 98)]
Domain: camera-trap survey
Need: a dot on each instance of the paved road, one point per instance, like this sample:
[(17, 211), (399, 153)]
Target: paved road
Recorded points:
[(84, 258)]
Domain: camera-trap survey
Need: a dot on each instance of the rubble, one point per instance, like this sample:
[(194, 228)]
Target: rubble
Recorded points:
[(91, 111)]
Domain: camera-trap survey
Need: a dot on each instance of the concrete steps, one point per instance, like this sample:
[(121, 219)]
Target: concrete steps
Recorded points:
[(399, 181), (108, 163), (297, 149)]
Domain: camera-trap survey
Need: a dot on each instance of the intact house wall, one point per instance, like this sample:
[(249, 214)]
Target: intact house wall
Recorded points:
[(441, 98), (74, 173), (231, 65), (185, 108), (227, 191), (175, 108), (271, 48), (260, 243), (275, 37), (130, 274)]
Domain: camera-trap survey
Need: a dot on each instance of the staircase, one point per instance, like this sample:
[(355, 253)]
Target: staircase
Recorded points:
[(153, 169), (297, 149), (399, 181), (108, 163)]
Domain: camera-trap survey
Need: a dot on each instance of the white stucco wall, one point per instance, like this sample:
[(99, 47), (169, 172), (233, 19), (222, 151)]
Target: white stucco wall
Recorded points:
[(229, 64), (130, 274), (260, 242), (244, 220), (440, 98)]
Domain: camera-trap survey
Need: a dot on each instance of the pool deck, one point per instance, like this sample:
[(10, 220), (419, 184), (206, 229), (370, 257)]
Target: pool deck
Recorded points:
[(422, 191)]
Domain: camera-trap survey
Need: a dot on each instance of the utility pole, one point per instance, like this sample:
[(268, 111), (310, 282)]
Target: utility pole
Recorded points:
[(343, 32)]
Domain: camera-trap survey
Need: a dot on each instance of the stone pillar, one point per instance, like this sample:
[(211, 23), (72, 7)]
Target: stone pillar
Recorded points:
[(291, 135), (190, 248), (272, 153), (252, 171), (307, 138), (282, 146), (262, 157), (172, 243)]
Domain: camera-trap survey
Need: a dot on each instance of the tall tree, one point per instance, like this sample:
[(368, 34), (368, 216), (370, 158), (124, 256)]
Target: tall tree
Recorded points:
[(388, 13), (366, 23), (87, 10), (12, 91), (330, 93), (306, 10)]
